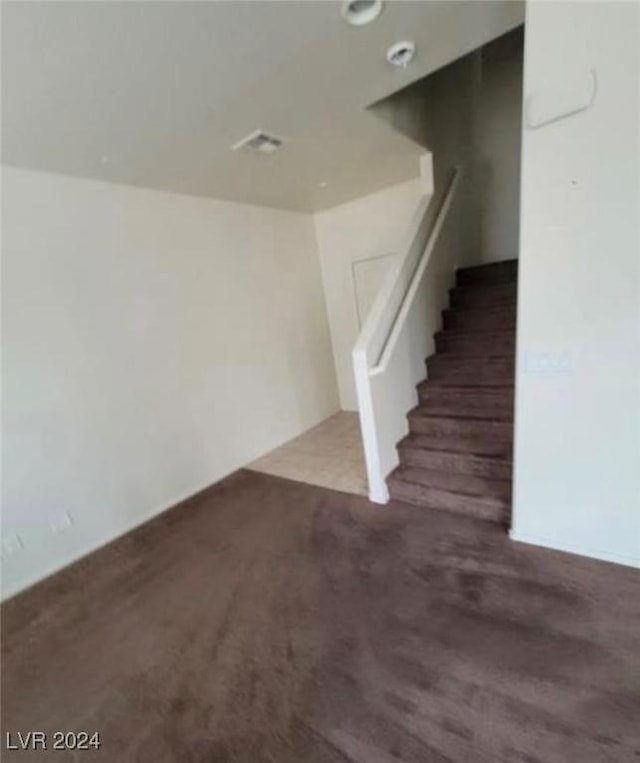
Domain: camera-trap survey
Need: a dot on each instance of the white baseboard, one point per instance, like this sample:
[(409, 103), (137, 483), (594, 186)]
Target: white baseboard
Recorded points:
[(591, 553)]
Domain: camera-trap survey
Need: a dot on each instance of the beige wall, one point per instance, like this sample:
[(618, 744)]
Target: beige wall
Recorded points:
[(577, 447), (352, 233), (153, 343)]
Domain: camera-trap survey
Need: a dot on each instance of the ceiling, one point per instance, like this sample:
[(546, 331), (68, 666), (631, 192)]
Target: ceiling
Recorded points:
[(154, 94)]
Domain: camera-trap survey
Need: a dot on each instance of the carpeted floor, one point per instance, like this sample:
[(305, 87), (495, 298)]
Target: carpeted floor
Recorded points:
[(276, 621)]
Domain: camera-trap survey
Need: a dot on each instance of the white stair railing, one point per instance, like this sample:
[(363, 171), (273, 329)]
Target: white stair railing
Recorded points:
[(389, 355)]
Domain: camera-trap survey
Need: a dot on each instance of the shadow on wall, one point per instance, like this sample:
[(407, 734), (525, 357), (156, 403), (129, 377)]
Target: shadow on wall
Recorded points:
[(469, 113)]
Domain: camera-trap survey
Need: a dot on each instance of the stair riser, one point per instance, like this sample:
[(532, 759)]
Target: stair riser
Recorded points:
[(477, 320), (497, 273), (456, 462), (480, 298), (478, 508), (504, 413), (505, 279), (464, 444), (499, 398), (468, 377), (492, 430), (476, 347), (440, 365), (464, 484), (462, 379)]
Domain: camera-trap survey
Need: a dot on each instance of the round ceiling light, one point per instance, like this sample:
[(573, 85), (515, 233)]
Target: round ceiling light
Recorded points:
[(401, 54), (361, 12)]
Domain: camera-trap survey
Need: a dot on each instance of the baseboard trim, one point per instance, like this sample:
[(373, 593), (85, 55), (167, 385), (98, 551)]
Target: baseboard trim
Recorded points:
[(569, 548)]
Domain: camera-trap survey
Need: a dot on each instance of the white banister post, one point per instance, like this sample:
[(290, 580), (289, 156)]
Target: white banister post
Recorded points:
[(426, 173), (378, 492)]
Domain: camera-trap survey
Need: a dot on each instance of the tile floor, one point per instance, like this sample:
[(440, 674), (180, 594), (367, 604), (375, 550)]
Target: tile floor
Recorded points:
[(329, 455)]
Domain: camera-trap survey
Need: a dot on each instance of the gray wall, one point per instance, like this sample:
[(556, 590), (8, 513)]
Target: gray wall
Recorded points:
[(469, 113), (498, 147)]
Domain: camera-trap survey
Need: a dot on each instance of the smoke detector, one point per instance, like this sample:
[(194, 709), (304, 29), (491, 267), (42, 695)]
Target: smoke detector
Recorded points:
[(361, 12), (401, 54), (259, 142)]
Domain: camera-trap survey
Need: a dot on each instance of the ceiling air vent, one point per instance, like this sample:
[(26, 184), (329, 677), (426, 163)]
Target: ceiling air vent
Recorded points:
[(259, 142)]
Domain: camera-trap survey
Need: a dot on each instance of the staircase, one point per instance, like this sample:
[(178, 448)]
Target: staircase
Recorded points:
[(458, 454)]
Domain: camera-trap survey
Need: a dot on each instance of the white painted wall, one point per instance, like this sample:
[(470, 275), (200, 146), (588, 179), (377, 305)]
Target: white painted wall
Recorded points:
[(372, 226), (153, 343), (577, 468)]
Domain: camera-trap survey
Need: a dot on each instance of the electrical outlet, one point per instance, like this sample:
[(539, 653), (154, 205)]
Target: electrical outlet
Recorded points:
[(11, 545), (61, 523)]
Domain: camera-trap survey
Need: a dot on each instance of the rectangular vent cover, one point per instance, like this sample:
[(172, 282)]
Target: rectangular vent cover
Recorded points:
[(259, 142)]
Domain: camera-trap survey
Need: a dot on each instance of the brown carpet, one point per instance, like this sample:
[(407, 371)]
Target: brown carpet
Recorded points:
[(276, 621)]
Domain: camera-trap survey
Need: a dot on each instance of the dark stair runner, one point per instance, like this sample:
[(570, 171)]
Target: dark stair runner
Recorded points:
[(458, 453)]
